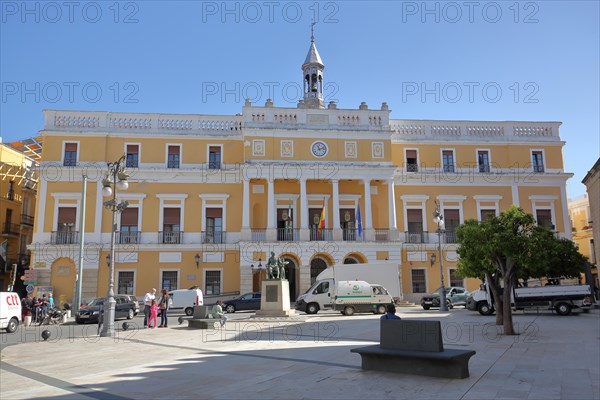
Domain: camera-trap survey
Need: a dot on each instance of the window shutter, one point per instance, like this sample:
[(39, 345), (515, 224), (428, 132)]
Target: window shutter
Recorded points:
[(71, 147), (129, 217), (411, 154), (173, 150), (171, 216), (67, 215), (214, 213)]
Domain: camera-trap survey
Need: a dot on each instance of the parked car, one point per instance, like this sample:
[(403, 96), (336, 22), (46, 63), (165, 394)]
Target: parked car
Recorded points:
[(135, 301), (124, 308), (248, 301), (455, 296)]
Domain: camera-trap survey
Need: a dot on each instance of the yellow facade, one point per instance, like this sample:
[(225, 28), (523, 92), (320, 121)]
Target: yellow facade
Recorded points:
[(18, 185)]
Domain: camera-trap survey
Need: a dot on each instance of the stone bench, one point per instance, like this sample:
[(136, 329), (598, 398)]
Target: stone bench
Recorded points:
[(416, 348), (207, 323)]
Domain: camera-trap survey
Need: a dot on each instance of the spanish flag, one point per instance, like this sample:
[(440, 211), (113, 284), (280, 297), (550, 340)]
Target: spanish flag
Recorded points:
[(322, 220)]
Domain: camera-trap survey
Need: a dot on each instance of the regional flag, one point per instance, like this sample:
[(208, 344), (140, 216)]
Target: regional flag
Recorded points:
[(359, 222), (3, 250)]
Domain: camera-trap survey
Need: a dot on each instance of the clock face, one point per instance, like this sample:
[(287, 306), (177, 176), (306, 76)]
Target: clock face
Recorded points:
[(319, 149)]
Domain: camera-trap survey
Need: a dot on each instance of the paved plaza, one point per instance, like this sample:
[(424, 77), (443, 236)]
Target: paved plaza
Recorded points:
[(309, 357)]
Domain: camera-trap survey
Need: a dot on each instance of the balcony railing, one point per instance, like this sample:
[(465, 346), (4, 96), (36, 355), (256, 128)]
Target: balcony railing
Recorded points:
[(170, 237), (64, 237), (258, 235), (213, 237), (26, 219), (12, 196), (415, 237), (321, 235), (351, 235), (288, 234), (382, 235), (10, 229), (450, 237), (173, 164), (127, 237)]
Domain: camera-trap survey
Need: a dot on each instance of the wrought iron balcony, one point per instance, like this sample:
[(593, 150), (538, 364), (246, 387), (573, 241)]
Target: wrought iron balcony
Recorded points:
[(127, 237), (288, 235), (214, 237), (10, 229), (26, 219), (170, 237), (416, 237), (321, 235), (64, 237)]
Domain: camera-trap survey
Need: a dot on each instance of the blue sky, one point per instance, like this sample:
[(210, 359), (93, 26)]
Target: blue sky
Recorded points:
[(536, 61)]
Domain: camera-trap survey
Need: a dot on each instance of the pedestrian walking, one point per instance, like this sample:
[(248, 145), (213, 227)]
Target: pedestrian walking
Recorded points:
[(151, 295), (50, 301), (153, 314), (163, 305)]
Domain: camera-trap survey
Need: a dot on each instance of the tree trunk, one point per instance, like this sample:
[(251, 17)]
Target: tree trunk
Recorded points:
[(506, 300), (493, 285)]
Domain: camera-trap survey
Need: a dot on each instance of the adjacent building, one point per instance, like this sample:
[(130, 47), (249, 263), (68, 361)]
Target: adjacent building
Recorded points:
[(18, 190), (592, 184), (211, 196)]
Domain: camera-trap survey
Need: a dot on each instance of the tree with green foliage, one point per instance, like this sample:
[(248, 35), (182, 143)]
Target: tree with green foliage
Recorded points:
[(512, 246)]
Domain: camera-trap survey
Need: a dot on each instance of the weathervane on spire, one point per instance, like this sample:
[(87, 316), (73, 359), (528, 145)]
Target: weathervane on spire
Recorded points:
[(312, 30)]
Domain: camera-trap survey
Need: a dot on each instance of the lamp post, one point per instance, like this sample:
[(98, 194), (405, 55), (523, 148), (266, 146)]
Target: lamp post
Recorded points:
[(258, 269), (197, 260), (438, 218), (116, 178)]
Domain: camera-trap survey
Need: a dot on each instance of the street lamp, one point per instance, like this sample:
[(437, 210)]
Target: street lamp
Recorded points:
[(438, 218), (116, 179), (258, 270), (197, 260)]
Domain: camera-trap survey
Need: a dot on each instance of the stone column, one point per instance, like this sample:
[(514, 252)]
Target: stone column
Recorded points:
[(337, 230), (304, 231), (393, 228), (246, 232), (271, 211), (366, 214)]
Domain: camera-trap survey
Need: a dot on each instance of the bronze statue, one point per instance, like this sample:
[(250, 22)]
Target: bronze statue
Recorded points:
[(276, 267)]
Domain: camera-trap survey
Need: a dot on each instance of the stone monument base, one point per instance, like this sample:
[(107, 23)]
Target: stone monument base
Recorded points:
[(275, 299)]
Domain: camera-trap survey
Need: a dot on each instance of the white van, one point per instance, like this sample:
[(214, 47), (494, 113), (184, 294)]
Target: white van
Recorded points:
[(10, 311), (186, 299), (345, 296)]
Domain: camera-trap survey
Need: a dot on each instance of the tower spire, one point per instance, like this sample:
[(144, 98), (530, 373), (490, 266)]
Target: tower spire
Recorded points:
[(312, 71)]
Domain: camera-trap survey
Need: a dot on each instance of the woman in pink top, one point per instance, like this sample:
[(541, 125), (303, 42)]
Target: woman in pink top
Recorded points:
[(153, 314)]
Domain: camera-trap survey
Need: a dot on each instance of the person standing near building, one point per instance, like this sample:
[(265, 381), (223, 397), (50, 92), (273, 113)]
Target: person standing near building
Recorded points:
[(391, 313), (163, 306), (151, 295), (50, 301)]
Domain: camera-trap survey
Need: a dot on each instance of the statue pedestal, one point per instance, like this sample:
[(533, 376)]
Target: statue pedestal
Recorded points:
[(275, 299)]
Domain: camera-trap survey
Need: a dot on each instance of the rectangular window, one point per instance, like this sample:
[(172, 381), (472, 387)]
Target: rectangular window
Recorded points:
[(418, 280), (214, 226), (544, 219), (125, 282), (448, 160), (67, 217), (483, 160), (70, 159), (451, 221), (171, 225), (487, 214), (415, 226), (455, 280), (8, 217), (592, 252), (537, 161), (129, 226), (11, 190), (411, 161), (173, 157), (169, 280), (213, 282), (214, 157), (133, 154)]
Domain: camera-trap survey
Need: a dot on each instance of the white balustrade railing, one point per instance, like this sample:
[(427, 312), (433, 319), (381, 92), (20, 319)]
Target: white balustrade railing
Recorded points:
[(492, 130), (153, 123)]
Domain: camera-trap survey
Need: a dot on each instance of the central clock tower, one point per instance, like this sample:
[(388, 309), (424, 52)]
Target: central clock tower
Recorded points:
[(312, 71)]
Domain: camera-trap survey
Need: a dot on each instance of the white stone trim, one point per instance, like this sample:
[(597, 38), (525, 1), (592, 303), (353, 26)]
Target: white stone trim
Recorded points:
[(350, 146), (208, 146), (374, 151), (58, 197), (426, 280), (166, 164), (172, 257), (489, 151), (160, 277), (173, 196), (454, 162), (139, 145), (118, 271), (222, 197), (256, 148), (481, 198), (281, 148), (415, 198), (544, 198), (543, 159)]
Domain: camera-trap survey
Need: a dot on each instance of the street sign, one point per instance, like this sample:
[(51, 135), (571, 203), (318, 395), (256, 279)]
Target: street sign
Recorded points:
[(29, 288), (29, 282)]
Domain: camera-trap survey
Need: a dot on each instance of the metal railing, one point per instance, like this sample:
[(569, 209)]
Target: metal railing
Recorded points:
[(127, 237), (415, 237), (382, 235), (10, 229), (64, 237), (351, 235), (27, 219), (288, 234), (214, 237), (450, 237), (321, 235), (170, 237), (258, 235)]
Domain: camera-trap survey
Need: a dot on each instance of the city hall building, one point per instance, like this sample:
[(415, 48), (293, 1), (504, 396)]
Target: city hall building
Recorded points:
[(211, 196)]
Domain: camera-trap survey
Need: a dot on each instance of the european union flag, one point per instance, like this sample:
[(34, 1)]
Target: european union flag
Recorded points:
[(359, 222)]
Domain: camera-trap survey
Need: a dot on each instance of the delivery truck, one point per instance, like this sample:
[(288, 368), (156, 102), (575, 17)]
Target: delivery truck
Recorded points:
[(321, 294), (561, 298)]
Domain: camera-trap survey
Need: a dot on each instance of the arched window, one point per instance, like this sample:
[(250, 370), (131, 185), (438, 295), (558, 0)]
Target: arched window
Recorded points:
[(350, 260), (317, 265)]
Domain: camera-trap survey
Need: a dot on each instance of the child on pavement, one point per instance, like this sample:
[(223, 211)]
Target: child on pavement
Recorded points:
[(153, 314)]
